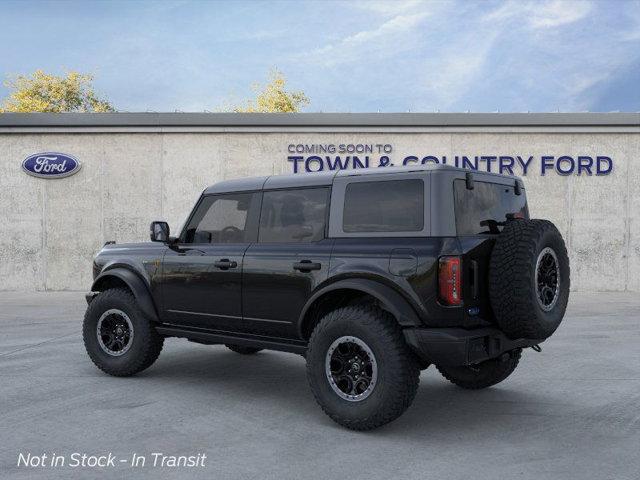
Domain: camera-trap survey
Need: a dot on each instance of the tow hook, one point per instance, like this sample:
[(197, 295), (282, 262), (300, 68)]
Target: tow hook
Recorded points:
[(536, 348)]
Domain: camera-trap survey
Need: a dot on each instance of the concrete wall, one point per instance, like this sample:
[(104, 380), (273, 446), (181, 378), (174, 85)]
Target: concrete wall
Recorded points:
[(51, 228)]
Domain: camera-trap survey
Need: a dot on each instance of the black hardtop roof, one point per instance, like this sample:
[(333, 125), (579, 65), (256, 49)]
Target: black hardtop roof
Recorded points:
[(326, 178)]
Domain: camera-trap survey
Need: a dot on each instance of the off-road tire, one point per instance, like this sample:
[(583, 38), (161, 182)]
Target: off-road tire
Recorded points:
[(242, 350), (512, 279), (146, 344), (482, 375), (398, 369)]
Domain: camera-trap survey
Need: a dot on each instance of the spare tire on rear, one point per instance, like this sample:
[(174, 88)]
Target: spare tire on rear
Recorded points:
[(529, 279)]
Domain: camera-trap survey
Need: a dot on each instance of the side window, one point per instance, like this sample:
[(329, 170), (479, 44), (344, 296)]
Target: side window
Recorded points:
[(485, 208), (384, 206), (222, 219), (293, 215)]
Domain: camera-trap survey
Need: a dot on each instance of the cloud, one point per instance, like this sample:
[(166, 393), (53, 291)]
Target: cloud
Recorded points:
[(393, 56), (562, 70), (511, 56), (450, 75), (540, 15), (393, 36), (505, 58), (254, 35), (387, 7), (556, 13), (632, 14)]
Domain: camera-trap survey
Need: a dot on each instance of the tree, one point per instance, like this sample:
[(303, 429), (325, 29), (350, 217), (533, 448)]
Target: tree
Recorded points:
[(42, 92), (274, 98)]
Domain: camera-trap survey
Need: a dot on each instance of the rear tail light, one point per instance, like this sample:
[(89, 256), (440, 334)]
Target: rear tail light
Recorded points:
[(449, 281)]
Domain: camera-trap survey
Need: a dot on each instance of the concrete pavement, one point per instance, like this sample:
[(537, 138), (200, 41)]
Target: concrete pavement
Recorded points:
[(572, 411)]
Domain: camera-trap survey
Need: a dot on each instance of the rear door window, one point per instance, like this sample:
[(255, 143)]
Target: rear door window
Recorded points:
[(297, 215), (384, 206), (483, 209)]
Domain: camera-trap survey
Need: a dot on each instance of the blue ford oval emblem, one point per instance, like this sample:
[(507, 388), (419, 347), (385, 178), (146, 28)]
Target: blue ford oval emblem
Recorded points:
[(51, 165)]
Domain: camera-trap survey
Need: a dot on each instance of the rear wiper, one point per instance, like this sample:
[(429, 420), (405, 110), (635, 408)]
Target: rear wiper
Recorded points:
[(493, 225)]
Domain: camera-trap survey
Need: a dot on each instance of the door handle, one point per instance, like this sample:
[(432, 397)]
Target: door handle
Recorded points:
[(306, 266), (225, 264)]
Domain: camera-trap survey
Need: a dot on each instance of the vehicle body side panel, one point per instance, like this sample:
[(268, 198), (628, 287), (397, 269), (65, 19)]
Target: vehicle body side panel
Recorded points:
[(199, 294), (274, 293), (389, 299), (369, 258), (137, 264)]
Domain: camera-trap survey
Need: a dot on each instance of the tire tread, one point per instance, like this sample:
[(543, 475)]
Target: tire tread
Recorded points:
[(406, 379), (152, 341), (511, 288)]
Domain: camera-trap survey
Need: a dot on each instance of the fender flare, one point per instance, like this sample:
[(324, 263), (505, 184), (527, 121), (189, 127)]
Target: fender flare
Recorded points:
[(391, 300), (137, 286)]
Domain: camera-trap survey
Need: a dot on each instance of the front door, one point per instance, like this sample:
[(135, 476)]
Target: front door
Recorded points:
[(202, 272), (289, 260)]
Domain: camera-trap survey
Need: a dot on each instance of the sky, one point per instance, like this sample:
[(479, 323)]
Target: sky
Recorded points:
[(359, 56)]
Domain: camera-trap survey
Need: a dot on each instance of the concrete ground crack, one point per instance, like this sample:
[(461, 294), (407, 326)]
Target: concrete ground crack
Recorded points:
[(36, 344)]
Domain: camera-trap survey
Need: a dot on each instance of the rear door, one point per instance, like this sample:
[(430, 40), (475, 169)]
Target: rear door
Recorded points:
[(202, 273), (289, 260), (480, 214)]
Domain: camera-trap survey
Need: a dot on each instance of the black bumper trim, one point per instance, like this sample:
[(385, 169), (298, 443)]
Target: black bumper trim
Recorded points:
[(457, 346)]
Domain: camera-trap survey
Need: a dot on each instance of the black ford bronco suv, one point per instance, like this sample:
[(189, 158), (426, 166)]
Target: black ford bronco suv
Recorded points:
[(372, 275)]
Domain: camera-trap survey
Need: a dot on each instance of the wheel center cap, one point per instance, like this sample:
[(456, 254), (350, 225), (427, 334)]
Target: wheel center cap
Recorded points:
[(119, 331), (356, 366)]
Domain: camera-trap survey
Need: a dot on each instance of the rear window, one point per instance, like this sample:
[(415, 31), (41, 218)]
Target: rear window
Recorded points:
[(384, 206), (484, 208)]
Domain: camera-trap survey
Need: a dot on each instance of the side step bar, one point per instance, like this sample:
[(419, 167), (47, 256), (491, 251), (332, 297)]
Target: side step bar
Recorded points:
[(220, 337)]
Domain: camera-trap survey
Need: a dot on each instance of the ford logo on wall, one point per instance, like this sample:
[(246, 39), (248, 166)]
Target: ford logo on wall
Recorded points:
[(51, 165)]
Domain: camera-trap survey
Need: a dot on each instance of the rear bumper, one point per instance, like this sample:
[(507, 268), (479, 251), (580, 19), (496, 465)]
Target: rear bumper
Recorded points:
[(457, 346)]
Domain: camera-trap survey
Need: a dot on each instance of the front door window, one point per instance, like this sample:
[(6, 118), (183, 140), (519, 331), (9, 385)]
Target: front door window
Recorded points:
[(222, 219)]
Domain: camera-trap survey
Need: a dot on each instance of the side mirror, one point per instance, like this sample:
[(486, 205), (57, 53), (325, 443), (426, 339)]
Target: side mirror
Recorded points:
[(159, 232)]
